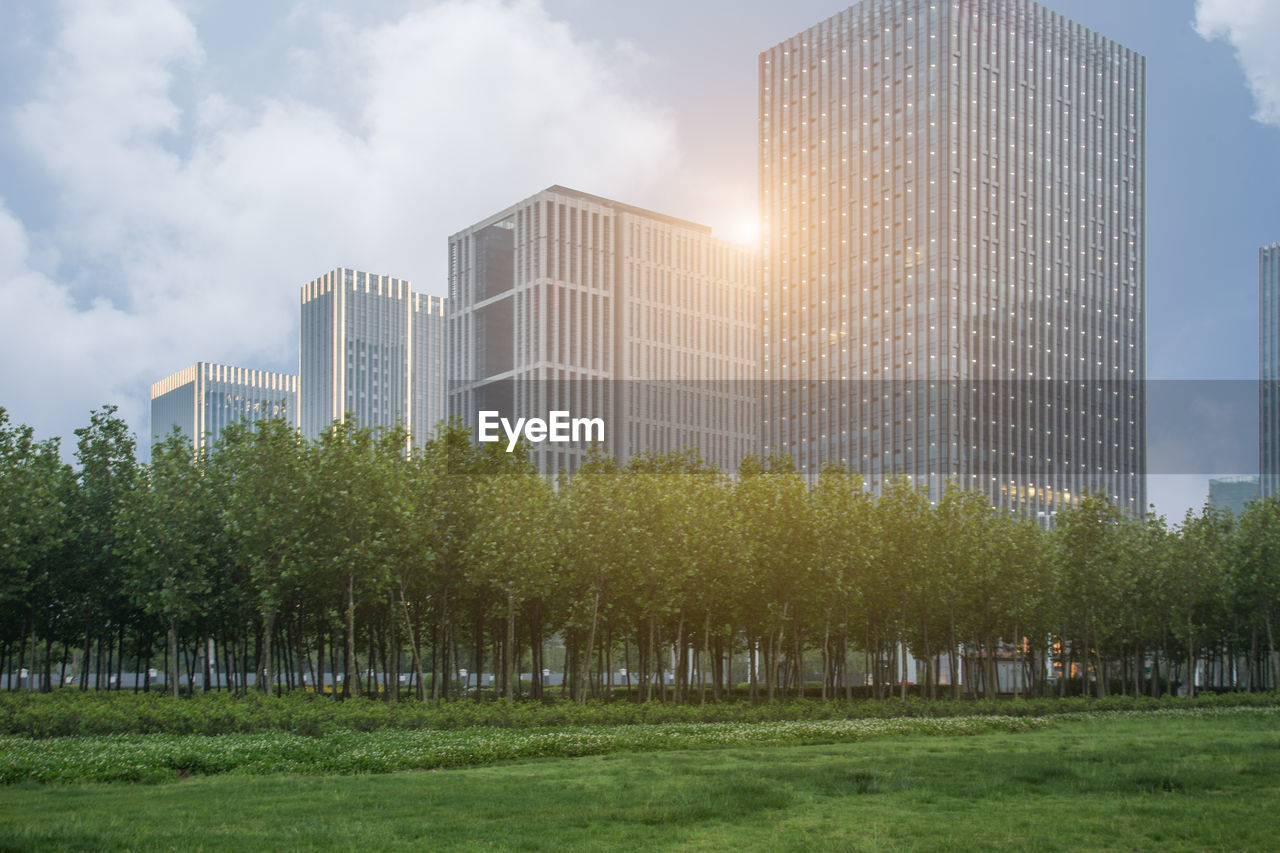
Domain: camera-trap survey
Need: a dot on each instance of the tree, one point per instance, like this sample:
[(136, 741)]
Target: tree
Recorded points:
[(513, 548), (1198, 583), (845, 543), (105, 451), (266, 518), (908, 563), (600, 540), (34, 488), (170, 523), (1259, 560), (773, 521)]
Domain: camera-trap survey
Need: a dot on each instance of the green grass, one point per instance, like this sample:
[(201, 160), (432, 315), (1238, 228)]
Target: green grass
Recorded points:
[(1174, 781)]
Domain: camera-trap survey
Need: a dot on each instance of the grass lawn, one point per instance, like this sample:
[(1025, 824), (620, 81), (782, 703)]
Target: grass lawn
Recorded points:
[(1167, 781)]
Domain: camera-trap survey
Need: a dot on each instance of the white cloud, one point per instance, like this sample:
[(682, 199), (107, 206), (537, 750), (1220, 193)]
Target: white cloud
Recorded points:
[(185, 227), (1253, 29), (51, 351)]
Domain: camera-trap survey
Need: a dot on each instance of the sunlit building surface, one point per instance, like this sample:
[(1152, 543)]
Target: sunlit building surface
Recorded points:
[(954, 251), (371, 349), (571, 302), (201, 400), (1269, 369)]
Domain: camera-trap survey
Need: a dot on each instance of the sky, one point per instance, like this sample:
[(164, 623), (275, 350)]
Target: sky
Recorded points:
[(172, 171)]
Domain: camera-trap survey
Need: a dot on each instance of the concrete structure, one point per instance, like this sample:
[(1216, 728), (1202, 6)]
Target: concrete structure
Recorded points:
[(204, 398), (371, 348), (1269, 368), (954, 250), (571, 302)]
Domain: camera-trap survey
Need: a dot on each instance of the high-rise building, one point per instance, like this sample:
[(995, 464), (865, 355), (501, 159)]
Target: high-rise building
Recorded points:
[(571, 302), (201, 400), (1269, 369), (953, 196), (371, 349)]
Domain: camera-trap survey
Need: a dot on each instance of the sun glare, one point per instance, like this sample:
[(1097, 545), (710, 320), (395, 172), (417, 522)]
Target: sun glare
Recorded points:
[(747, 231)]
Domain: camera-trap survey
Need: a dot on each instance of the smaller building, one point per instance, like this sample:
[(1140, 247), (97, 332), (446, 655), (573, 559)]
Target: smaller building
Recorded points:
[(1234, 493), (373, 350), (201, 400)]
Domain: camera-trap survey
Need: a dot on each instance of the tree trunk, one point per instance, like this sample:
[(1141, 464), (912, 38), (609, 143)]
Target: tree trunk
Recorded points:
[(707, 647), (508, 666), (652, 654), (1191, 670), (827, 668), (266, 664), (31, 670), (420, 686), (348, 664), (1272, 655), (320, 673), (584, 662), (902, 650), (679, 664), (478, 657), (171, 660)]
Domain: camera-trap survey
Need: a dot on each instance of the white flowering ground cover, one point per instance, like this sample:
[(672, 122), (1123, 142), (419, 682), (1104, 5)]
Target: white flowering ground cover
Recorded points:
[(154, 758), (157, 758)]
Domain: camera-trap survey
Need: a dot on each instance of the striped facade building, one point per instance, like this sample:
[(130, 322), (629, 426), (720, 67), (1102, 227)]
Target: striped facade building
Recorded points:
[(201, 400), (953, 202), (1269, 369), (371, 349), (571, 302)]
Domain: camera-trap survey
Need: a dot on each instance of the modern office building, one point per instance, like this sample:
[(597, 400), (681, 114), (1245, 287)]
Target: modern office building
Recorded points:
[(201, 400), (371, 349), (1233, 493), (1269, 368), (571, 302), (954, 250)]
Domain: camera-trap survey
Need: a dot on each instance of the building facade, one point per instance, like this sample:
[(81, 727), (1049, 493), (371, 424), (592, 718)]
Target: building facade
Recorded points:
[(1269, 368), (201, 400), (371, 349), (952, 194), (1233, 493), (571, 302)]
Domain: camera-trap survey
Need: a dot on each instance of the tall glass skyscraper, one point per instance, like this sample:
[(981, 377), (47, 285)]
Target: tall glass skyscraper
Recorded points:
[(370, 348), (201, 400), (1269, 368), (573, 302), (953, 196)]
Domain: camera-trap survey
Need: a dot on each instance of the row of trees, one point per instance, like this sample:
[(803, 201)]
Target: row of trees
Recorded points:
[(347, 560)]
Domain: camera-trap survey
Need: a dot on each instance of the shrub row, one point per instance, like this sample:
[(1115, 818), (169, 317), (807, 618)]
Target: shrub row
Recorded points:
[(74, 713)]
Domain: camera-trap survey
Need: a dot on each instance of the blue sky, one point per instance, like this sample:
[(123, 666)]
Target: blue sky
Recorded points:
[(172, 172)]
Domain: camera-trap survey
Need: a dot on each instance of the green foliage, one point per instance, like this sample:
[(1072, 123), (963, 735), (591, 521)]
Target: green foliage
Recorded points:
[(357, 559)]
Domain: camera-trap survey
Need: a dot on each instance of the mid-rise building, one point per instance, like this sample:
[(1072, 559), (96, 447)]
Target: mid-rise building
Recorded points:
[(953, 201), (571, 302), (1269, 368), (371, 349), (1233, 493), (201, 400)]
